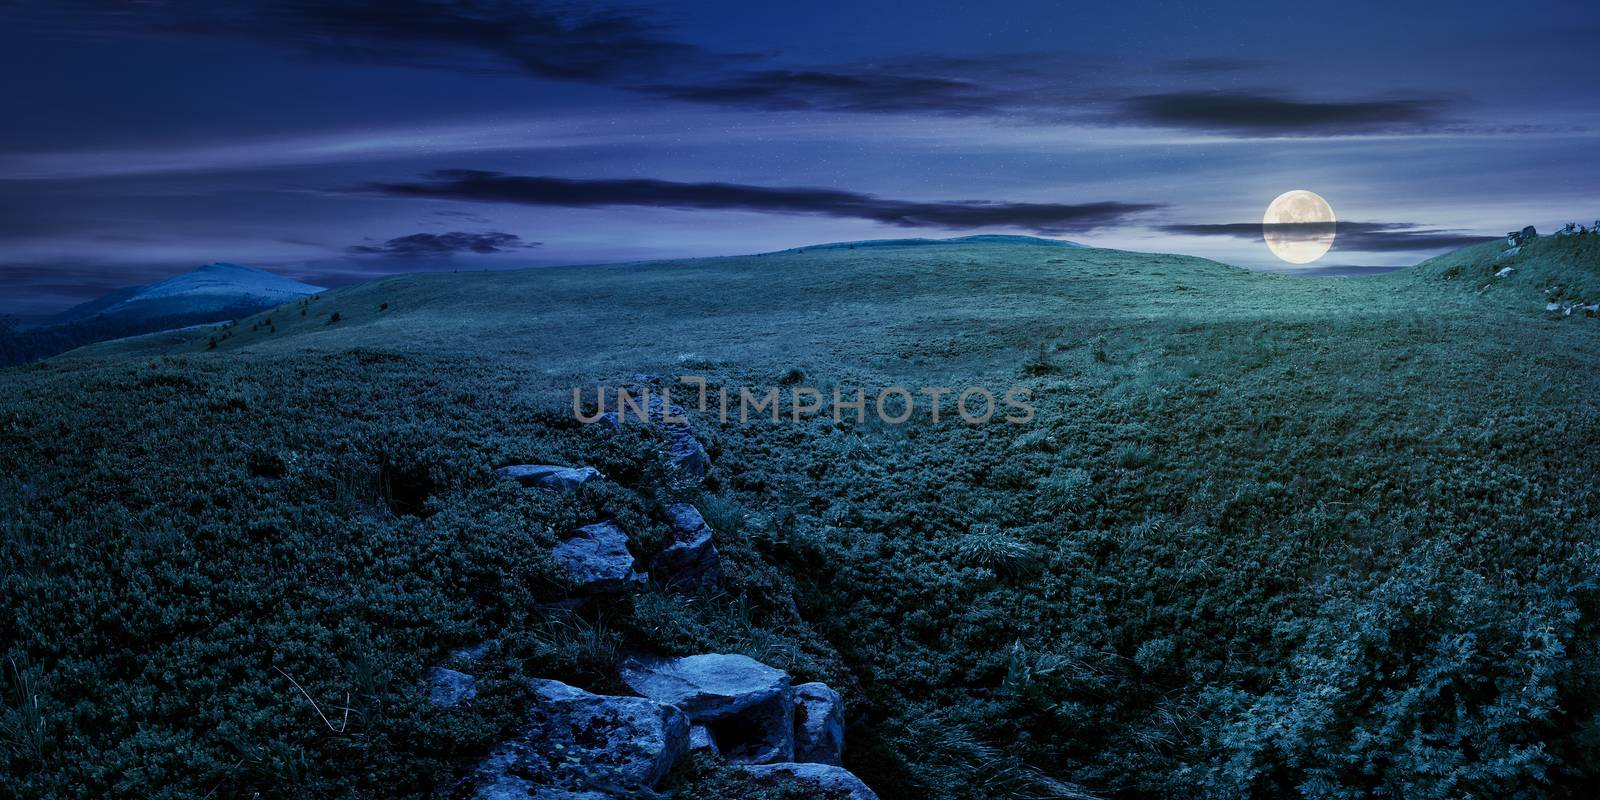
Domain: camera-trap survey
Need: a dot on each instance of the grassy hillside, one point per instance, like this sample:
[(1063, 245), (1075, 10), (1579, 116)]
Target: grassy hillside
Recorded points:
[(1265, 536)]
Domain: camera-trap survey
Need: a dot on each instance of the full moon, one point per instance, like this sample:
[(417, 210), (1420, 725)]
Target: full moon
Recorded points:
[(1306, 244)]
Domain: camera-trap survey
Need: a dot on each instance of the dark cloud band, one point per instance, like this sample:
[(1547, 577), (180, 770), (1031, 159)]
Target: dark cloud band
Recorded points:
[(626, 48), (495, 187), (1370, 237), (445, 244), (543, 39), (1265, 114)]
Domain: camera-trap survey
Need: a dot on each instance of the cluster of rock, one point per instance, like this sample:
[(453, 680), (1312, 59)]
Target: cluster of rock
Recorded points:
[(575, 744), (1516, 240), (1522, 237), (684, 451), (595, 557), (1566, 309)]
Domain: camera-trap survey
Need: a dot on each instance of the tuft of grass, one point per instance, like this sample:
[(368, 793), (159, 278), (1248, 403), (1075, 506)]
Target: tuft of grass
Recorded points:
[(1132, 455), (22, 725), (1070, 489), (586, 647), (986, 547), (1040, 362)]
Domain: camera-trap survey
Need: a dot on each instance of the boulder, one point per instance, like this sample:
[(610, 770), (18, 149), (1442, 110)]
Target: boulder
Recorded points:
[(576, 746), (685, 452), (818, 724), (448, 688), (818, 779), (691, 561), (746, 706), (549, 476), (1552, 306), (596, 559)]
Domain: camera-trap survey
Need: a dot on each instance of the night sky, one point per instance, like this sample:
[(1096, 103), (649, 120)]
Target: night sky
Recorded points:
[(340, 140)]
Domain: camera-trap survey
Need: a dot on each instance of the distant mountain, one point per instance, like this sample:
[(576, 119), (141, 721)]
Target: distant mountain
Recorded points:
[(212, 293), (211, 289), (987, 238)]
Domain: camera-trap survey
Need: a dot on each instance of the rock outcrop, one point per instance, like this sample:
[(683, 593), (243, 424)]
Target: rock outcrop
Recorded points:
[(575, 744), (684, 451), (549, 476), (691, 562), (746, 706), (448, 688), (596, 559), (1522, 237), (818, 724), (820, 779)]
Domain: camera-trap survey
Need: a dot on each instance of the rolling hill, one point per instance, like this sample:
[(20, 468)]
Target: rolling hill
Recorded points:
[(211, 289), (1263, 536), (212, 293)]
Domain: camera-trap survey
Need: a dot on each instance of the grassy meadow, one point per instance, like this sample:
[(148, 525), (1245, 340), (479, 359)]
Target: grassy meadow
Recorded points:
[(1265, 536)]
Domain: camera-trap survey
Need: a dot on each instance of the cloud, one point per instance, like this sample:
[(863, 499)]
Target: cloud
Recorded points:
[(445, 244), (544, 39), (624, 48), (496, 187), (1261, 114), (973, 87), (1369, 237), (854, 92)]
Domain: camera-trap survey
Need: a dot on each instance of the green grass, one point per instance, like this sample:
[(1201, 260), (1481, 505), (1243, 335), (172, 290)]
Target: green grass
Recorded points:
[(1266, 536)]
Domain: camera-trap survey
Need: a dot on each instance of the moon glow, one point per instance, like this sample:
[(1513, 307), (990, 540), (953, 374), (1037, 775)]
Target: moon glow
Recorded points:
[(1298, 226)]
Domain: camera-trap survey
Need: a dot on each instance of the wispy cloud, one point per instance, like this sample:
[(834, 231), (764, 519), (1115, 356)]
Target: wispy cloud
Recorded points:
[(628, 49), (845, 91), (419, 245), (544, 39), (1264, 114), (495, 187), (1368, 237)]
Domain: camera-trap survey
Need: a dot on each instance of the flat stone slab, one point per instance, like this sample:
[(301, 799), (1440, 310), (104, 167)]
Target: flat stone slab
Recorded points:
[(596, 559), (747, 706), (549, 476)]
